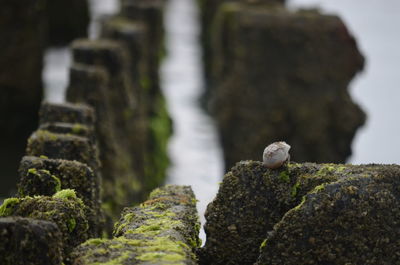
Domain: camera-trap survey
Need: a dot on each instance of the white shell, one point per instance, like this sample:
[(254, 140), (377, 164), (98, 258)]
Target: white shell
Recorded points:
[(276, 154)]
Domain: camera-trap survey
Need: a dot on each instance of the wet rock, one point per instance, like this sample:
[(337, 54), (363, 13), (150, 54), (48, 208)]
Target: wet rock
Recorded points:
[(43, 176), (133, 35), (252, 201), (66, 113), (122, 183), (26, 241), (22, 27), (126, 130), (67, 20), (208, 15), (139, 27), (63, 146), (150, 13), (125, 110), (351, 221), (162, 230), (63, 208), (304, 62)]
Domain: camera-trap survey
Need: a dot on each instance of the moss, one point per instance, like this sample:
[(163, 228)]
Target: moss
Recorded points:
[(153, 227), (65, 194), (263, 244), (318, 188), (294, 189), (160, 128), (32, 171), (57, 188), (328, 169), (284, 176), (95, 241), (7, 208), (78, 128), (71, 223)]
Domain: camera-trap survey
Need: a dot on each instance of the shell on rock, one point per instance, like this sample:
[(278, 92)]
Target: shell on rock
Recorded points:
[(276, 154)]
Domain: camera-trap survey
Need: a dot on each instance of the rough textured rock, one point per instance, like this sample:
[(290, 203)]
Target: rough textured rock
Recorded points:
[(150, 13), (66, 113), (352, 221), (132, 142), (67, 20), (63, 208), (25, 241), (133, 34), (125, 109), (22, 27), (162, 230), (43, 176), (121, 171), (63, 146), (284, 75), (255, 203), (139, 28), (208, 16)]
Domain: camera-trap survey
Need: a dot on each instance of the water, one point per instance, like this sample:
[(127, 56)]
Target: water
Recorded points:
[(194, 148)]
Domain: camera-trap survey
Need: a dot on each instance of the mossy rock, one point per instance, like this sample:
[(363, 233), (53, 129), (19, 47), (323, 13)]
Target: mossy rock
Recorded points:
[(66, 113), (163, 230), (63, 146), (43, 176), (253, 201), (25, 241), (350, 221), (63, 208)]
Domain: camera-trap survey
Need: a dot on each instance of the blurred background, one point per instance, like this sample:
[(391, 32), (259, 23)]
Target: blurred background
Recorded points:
[(195, 152)]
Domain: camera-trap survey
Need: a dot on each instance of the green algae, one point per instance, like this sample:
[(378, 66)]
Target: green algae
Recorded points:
[(71, 223), (65, 194), (7, 208), (284, 176)]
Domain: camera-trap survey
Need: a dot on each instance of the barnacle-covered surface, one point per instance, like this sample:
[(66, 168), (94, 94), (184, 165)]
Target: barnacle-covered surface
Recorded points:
[(291, 207), (162, 230), (64, 208), (28, 241), (43, 176)]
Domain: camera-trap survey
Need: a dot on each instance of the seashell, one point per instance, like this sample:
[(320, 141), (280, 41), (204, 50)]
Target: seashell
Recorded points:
[(276, 154)]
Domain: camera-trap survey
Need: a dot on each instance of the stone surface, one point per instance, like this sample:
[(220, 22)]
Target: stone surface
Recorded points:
[(22, 27), (133, 34), (63, 146), (289, 205), (352, 221), (122, 184), (43, 176), (150, 13), (25, 241), (67, 20), (66, 113), (284, 75), (208, 16), (63, 208), (132, 140), (162, 230)]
